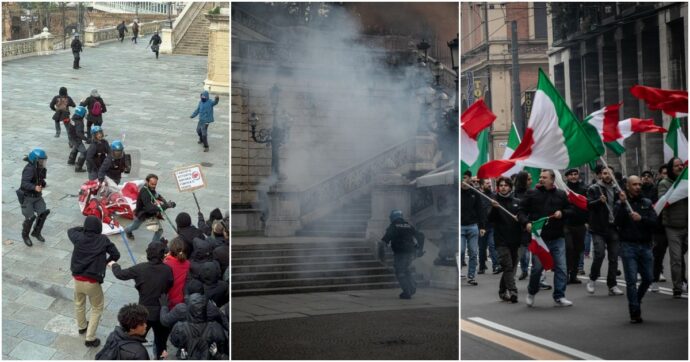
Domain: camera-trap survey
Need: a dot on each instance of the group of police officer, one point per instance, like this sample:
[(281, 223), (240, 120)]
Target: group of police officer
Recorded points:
[(102, 159)]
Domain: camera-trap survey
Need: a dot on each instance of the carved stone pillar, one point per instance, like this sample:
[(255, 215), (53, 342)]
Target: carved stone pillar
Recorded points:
[(166, 41), (283, 210), (218, 71), (90, 36)]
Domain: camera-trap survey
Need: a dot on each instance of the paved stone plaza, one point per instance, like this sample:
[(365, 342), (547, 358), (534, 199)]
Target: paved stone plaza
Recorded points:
[(150, 101)]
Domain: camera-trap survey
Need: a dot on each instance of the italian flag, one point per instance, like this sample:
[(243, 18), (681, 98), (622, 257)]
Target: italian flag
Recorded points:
[(677, 192), (513, 143), (554, 138), (474, 136), (538, 247), (613, 133), (576, 199), (675, 145), (671, 102)]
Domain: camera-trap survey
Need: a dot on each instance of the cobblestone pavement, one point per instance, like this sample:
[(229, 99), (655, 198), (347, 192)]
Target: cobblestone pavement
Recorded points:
[(150, 101)]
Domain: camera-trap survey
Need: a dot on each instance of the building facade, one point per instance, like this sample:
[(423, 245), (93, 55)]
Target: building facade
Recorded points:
[(598, 51)]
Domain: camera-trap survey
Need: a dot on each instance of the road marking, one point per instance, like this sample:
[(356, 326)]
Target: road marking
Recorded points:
[(522, 347), (662, 290), (534, 339)]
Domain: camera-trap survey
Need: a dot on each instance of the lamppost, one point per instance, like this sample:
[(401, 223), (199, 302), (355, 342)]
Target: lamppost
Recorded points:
[(275, 137), (454, 45)]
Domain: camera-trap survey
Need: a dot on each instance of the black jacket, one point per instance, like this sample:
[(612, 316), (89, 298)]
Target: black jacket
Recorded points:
[(96, 154), (33, 176), (88, 103), (401, 234), (507, 231), (75, 129), (188, 232), (579, 217), (131, 347), (122, 28), (151, 278), (540, 202), (90, 250), (471, 209), (214, 288), (60, 115), (146, 207), (221, 254), (169, 317), (649, 191), (598, 211), (203, 252), (183, 333), (113, 168), (635, 231), (76, 46), (155, 40)]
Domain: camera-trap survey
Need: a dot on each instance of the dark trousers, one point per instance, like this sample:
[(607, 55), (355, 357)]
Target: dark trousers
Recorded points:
[(605, 244), (160, 336), (134, 38), (574, 244), (402, 263), (122, 37), (75, 63), (202, 132), (508, 258), (659, 251)]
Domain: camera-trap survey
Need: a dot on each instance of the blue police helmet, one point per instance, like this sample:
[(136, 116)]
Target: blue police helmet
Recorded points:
[(96, 129), (395, 214), (37, 154), (80, 111), (117, 145)]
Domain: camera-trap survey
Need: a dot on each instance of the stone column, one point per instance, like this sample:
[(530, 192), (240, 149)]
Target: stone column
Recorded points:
[(44, 42), (648, 70), (390, 191), (166, 41), (218, 71), (284, 210), (90, 36)]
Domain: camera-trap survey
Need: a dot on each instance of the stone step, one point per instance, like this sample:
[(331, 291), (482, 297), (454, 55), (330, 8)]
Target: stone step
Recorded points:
[(343, 226), (332, 273), (299, 252), (303, 245), (331, 234), (301, 259), (287, 268), (313, 289), (314, 282)]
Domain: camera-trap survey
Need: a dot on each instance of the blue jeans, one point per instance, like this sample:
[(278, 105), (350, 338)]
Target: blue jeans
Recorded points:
[(487, 241), (202, 131), (137, 223), (557, 248), (637, 258), (524, 258), (588, 246), (470, 235)]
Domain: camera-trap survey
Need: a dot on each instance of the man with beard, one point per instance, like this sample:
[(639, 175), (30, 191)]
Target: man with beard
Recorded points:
[(149, 205), (508, 234), (675, 221)]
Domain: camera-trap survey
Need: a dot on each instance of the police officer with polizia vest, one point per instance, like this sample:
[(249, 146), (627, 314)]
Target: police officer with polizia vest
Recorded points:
[(115, 163), (30, 195), (97, 153), (401, 235)]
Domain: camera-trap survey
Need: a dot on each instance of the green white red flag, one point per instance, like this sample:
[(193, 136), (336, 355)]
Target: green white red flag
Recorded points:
[(537, 245), (671, 102), (554, 138), (513, 143), (613, 133), (576, 199), (474, 136), (677, 192), (675, 144)]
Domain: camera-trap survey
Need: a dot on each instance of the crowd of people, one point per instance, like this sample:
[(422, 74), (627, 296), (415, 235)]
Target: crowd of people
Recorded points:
[(184, 284), (618, 223)]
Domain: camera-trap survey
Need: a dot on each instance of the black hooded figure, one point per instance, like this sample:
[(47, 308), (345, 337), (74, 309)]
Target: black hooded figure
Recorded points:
[(205, 226), (197, 338), (60, 105), (152, 279), (76, 49), (187, 231)]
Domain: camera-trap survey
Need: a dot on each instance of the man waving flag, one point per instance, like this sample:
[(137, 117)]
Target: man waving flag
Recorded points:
[(474, 136), (554, 138)]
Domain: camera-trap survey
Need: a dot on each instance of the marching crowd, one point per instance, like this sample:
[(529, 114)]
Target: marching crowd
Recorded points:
[(618, 223), (183, 286)]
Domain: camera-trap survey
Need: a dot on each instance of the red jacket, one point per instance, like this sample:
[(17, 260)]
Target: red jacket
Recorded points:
[(179, 269)]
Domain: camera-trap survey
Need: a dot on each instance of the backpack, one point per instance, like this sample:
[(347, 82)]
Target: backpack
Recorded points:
[(198, 341), (111, 350), (61, 104), (96, 110)]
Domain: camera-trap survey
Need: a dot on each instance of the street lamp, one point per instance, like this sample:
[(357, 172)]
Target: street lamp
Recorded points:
[(275, 137), (436, 69), (423, 47), (453, 45)]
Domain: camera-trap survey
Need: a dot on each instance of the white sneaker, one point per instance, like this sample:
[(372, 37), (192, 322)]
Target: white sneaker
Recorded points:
[(590, 286), (615, 291), (562, 302), (530, 300), (654, 287), (662, 278)]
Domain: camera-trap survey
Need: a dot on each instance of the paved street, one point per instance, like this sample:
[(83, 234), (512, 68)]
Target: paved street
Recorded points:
[(150, 101), (597, 326)]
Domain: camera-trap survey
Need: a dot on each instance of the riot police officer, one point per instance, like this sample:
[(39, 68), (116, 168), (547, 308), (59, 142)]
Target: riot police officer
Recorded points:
[(75, 132), (401, 235), (97, 153), (115, 164), (30, 195)]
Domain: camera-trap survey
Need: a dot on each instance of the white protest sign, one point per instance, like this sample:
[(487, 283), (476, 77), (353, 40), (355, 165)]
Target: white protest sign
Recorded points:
[(189, 178)]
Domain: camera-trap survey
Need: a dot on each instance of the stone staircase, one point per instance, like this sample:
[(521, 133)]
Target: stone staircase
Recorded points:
[(347, 222), (305, 267), (195, 40)]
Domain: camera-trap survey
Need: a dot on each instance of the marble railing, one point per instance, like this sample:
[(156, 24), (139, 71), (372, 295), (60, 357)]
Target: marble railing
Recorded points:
[(93, 36), (18, 48)]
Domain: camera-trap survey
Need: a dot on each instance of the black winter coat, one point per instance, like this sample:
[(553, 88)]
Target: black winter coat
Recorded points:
[(507, 231), (146, 207), (60, 115), (75, 129), (179, 313), (90, 249), (598, 211), (188, 232), (31, 177), (76, 46), (471, 209), (203, 253), (540, 202), (214, 288), (221, 254), (151, 278), (131, 347), (195, 323), (635, 231), (96, 154), (579, 217), (113, 168), (401, 234)]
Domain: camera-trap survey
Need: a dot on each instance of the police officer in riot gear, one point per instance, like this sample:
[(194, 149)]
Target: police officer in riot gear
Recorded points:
[(98, 151), (75, 132), (115, 164), (401, 235), (30, 195)]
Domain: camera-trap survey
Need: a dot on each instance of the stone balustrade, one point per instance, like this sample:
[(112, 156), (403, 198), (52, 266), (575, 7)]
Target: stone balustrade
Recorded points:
[(41, 44), (93, 36)]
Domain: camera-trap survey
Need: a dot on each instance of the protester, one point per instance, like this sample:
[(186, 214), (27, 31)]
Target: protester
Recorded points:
[(149, 206), (155, 43), (196, 337), (472, 224), (178, 263), (121, 30), (508, 235), (96, 107), (205, 111), (135, 31), (188, 232), (575, 228), (675, 220), (60, 105), (126, 342)]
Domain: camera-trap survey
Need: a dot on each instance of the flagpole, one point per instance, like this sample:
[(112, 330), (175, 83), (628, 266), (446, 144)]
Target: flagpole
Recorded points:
[(615, 182), (490, 199)]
